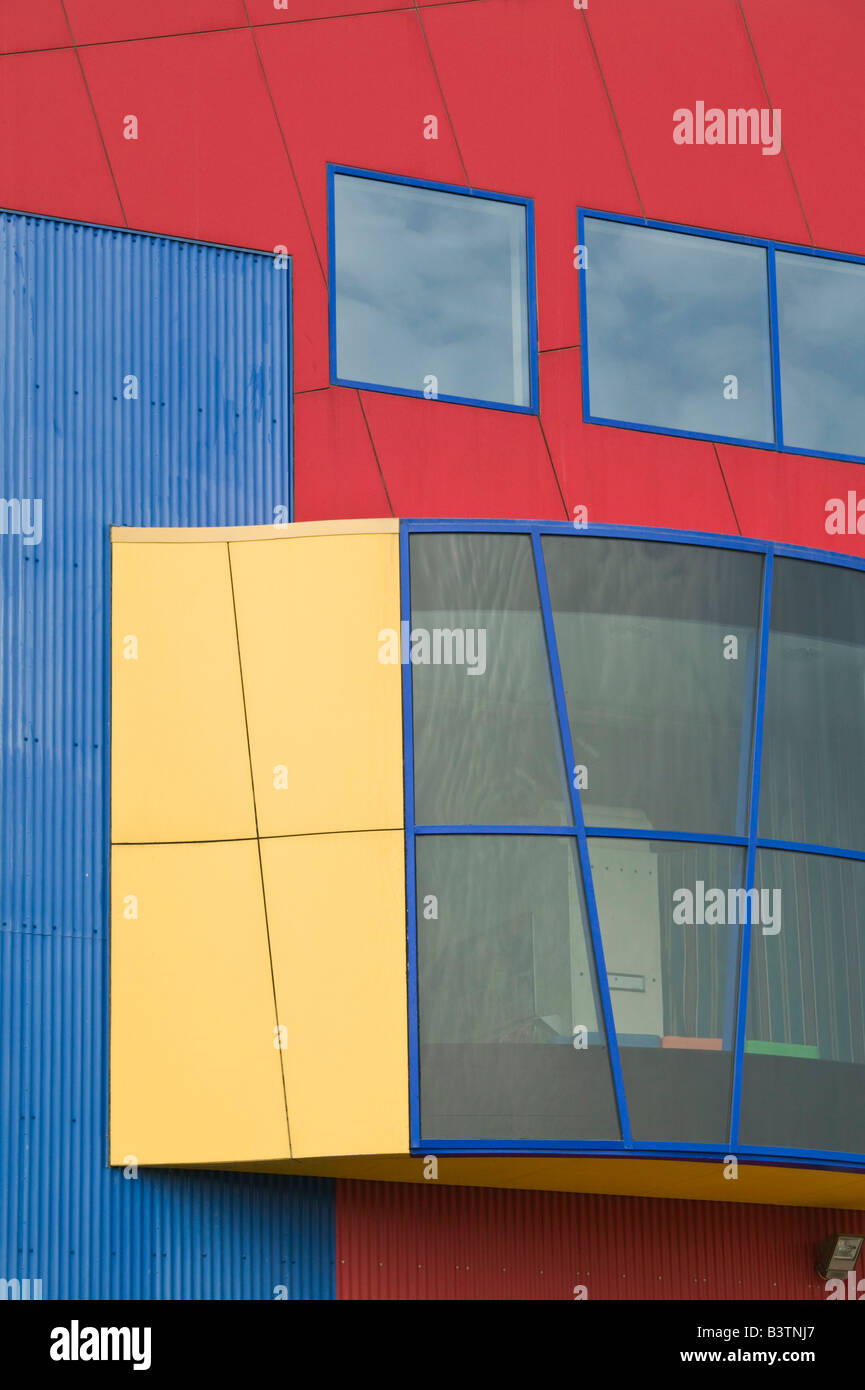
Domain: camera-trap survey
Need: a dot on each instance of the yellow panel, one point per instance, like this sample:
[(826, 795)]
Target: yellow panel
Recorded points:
[(180, 534), (324, 712), (336, 911), (179, 754), (634, 1177), (195, 1075)]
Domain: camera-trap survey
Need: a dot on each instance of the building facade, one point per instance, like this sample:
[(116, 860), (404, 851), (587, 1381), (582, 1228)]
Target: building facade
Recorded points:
[(433, 683)]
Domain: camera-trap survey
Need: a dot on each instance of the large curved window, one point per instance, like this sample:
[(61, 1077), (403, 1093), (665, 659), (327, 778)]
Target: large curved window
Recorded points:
[(636, 825)]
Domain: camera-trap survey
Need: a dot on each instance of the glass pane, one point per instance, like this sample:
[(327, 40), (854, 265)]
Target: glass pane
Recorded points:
[(506, 975), (812, 788), (671, 917), (678, 331), (431, 285), (803, 1077), (821, 330), (657, 646), (486, 742)]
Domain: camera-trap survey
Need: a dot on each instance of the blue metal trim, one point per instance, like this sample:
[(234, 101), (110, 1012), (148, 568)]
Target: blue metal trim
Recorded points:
[(584, 351), (410, 858), (751, 858), (582, 843), (527, 205), (495, 830), (717, 540), (775, 347), (770, 247), (827, 851), (610, 833), (291, 386), (814, 1160)]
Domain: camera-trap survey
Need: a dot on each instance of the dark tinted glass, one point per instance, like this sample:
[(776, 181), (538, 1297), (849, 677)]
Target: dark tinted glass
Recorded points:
[(431, 284), (803, 1077), (506, 975), (657, 647), (812, 783), (671, 318), (670, 917), (821, 328), (486, 742)]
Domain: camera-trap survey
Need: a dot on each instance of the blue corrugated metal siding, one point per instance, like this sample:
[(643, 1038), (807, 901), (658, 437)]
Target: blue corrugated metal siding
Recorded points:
[(206, 332)]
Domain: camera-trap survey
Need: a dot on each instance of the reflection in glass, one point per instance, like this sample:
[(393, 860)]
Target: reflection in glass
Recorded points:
[(803, 1077), (657, 648), (505, 975), (672, 319), (486, 743), (431, 284), (812, 784), (821, 328), (670, 918)]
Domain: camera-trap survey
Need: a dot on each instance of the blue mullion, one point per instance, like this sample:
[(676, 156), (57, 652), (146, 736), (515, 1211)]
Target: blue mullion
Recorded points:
[(745, 741), (751, 856), (775, 347), (582, 841), (617, 833), (410, 858)]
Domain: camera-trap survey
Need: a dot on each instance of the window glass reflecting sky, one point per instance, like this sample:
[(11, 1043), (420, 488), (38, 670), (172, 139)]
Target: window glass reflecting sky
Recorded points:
[(431, 284), (671, 317), (821, 321)]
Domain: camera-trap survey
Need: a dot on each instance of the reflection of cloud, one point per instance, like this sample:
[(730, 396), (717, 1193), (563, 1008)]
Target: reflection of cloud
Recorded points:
[(426, 283), (821, 310), (669, 316)]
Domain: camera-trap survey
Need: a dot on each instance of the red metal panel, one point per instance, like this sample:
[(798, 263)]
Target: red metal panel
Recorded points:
[(36, 24), (51, 159), (103, 21), (423, 1241), (625, 476), (265, 11), (783, 497), (440, 459), (812, 63), (209, 161), (357, 91), (700, 53), (531, 117), (340, 476)]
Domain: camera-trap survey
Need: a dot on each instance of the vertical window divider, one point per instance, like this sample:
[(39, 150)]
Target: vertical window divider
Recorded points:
[(751, 852), (775, 347), (582, 840), (411, 884)]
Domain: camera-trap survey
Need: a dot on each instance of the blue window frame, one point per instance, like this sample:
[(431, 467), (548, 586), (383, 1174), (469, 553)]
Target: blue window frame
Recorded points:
[(766, 1011), (432, 290), (706, 335)]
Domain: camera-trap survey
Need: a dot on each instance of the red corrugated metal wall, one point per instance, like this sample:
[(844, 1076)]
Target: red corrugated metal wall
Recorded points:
[(239, 107), (407, 1241)]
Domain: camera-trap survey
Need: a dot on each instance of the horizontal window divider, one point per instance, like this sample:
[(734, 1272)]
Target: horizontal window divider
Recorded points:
[(720, 540), (738, 441), (800, 847), (833, 1160), (570, 830), (441, 399), (617, 833)]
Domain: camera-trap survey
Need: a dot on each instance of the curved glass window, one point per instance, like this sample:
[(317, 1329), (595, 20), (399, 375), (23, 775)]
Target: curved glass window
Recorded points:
[(636, 842)]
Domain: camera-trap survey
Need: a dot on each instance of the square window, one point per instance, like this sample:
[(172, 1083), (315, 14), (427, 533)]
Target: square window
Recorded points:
[(677, 332), (432, 292)]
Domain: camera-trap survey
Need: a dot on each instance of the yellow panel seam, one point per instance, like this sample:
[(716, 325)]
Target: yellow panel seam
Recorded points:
[(258, 844)]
